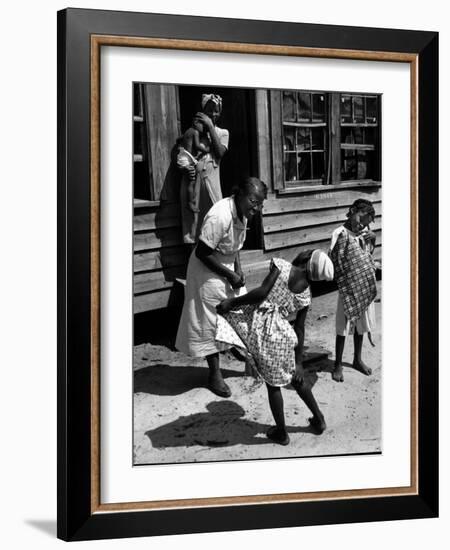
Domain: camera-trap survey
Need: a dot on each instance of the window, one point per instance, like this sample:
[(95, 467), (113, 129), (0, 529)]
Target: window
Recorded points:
[(325, 138), (359, 123), (304, 118)]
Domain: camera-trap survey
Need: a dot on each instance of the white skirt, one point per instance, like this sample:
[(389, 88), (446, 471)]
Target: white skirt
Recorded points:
[(366, 323), (204, 290)]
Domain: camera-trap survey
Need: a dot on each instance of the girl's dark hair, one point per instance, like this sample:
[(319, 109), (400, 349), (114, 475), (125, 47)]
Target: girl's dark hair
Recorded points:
[(247, 185), (361, 205)]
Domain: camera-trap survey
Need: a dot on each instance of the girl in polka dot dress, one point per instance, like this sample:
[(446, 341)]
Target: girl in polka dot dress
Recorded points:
[(259, 322)]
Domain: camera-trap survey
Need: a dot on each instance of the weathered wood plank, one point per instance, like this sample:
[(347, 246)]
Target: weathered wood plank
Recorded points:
[(277, 140), (158, 300), (335, 141), (162, 129), (309, 218), (158, 259), (323, 199), (157, 239), (166, 216), (157, 280), (305, 235), (263, 137)]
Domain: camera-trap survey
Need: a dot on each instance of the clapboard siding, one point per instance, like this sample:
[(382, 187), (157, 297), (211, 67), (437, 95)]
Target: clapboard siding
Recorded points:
[(323, 199), (160, 259), (280, 222), (160, 217), (159, 238), (303, 235)]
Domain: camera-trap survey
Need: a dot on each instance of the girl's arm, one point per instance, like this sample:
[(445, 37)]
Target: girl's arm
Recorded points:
[(255, 296), (205, 254), (299, 327)]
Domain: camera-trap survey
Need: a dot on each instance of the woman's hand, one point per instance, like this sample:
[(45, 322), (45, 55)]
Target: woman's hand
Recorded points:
[(225, 306), (204, 119), (236, 280), (239, 272), (191, 171)]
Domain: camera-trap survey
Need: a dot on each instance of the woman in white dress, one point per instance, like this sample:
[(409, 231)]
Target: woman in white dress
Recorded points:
[(207, 190), (214, 273)]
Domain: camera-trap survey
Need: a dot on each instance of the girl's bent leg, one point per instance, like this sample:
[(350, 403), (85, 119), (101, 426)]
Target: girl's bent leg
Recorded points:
[(216, 382), (338, 374), (358, 363), (278, 433), (318, 420)]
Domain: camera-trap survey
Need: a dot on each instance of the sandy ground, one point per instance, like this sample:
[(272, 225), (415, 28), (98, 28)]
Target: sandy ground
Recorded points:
[(177, 419)]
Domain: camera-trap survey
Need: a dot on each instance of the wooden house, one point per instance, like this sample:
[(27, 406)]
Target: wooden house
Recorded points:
[(317, 152)]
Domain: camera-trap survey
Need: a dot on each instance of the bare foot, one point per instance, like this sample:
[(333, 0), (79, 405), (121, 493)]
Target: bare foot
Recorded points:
[(278, 435), (338, 374), (217, 385), (318, 424), (362, 367)]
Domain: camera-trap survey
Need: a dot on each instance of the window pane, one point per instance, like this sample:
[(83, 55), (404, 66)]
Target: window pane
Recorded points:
[(365, 165), (346, 108), (358, 109), (290, 169), (348, 165), (318, 107), (371, 110), (318, 160), (318, 138), (303, 139), (289, 111), (304, 166), (289, 138), (304, 106), (369, 136), (358, 135), (347, 135)]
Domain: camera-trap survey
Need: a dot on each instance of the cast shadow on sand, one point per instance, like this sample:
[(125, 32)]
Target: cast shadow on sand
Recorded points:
[(222, 426), (163, 379)]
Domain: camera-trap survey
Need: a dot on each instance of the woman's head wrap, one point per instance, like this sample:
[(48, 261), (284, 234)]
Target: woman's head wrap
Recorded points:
[(216, 99), (320, 267)]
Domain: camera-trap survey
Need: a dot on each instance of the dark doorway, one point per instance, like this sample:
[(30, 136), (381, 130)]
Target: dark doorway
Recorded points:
[(239, 118)]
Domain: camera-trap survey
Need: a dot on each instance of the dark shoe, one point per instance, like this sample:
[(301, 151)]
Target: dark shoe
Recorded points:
[(222, 390), (274, 434)]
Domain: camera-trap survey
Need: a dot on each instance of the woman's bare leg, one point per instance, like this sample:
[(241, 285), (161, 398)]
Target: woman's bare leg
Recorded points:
[(216, 382)]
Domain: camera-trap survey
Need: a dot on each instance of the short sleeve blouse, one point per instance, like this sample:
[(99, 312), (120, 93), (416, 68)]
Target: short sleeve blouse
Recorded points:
[(222, 230)]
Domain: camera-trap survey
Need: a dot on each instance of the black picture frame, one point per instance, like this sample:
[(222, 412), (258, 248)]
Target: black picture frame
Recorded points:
[(78, 517)]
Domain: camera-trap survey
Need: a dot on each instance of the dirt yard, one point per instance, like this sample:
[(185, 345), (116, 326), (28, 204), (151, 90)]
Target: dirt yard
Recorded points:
[(177, 419)]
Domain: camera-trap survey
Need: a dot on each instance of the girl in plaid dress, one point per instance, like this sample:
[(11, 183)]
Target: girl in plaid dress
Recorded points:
[(259, 322), (351, 247)]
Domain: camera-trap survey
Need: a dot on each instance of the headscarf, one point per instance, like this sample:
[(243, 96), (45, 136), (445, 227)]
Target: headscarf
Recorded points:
[(216, 99), (320, 267)]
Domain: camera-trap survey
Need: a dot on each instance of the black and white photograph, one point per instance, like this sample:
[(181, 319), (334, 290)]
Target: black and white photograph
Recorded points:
[(257, 273)]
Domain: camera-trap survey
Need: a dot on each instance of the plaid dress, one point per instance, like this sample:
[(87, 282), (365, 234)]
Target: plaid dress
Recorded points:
[(264, 329), (355, 277)]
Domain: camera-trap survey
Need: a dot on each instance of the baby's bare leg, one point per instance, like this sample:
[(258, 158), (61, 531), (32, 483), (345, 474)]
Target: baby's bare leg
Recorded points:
[(191, 194)]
